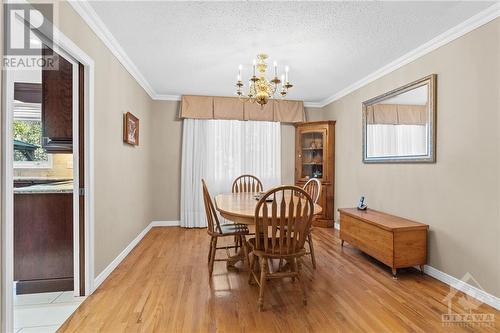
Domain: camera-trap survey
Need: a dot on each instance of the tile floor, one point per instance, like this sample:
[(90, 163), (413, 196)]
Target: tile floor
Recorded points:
[(44, 312)]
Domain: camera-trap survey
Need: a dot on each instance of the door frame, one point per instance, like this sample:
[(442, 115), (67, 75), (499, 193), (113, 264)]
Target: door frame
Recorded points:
[(60, 43)]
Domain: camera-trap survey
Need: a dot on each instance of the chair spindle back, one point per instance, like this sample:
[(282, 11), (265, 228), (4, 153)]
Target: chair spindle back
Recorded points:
[(313, 188), (212, 219), (292, 210), (247, 183)]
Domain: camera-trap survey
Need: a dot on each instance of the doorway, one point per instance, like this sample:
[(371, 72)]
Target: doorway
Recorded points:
[(44, 177), (76, 262), (45, 114)]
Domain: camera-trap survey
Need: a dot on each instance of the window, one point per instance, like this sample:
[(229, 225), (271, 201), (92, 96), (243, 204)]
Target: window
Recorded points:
[(221, 150), (27, 133)]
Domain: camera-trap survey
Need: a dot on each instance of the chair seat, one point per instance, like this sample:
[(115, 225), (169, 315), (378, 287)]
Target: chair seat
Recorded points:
[(234, 229), (277, 252)]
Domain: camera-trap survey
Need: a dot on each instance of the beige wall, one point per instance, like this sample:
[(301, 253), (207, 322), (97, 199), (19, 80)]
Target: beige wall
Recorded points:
[(122, 177), (166, 161), (498, 154), (287, 154), (459, 195), (315, 114)]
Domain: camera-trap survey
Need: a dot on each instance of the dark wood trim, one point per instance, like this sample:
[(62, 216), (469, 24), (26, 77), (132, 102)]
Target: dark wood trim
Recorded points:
[(44, 286), (81, 169), (319, 122)]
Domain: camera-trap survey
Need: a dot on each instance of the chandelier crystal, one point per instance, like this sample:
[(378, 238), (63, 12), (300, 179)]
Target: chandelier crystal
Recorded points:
[(260, 90)]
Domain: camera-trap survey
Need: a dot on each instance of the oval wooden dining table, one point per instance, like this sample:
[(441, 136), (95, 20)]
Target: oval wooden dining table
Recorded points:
[(240, 208)]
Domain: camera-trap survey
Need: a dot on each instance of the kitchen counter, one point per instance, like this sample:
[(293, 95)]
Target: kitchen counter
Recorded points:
[(41, 179), (57, 187)]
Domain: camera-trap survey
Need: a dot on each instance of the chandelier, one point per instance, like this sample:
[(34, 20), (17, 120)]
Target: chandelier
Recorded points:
[(260, 90)]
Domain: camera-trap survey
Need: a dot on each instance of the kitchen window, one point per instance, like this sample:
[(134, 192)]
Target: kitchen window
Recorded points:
[(27, 132)]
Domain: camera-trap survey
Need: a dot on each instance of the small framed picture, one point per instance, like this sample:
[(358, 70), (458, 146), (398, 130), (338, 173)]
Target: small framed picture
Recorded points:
[(130, 129)]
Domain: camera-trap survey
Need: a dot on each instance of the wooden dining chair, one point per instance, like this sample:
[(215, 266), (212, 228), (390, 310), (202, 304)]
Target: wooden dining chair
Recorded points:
[(313, 188), (292, 209), (247, 183), (216, 230)]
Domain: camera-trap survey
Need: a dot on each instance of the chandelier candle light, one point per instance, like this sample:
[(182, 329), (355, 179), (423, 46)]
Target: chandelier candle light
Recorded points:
[(260, 90)]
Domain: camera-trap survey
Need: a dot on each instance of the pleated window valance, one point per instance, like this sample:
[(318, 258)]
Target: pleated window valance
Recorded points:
[(397, 114), (208, 107)]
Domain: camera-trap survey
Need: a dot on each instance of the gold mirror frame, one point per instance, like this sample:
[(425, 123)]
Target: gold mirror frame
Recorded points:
[(430, 157)]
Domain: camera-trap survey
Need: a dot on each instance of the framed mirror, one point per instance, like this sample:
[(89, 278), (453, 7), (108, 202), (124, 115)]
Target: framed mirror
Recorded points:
[(400, 126)]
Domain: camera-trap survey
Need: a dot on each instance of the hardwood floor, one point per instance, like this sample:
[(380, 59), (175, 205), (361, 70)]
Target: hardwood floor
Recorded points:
[(163, 286)]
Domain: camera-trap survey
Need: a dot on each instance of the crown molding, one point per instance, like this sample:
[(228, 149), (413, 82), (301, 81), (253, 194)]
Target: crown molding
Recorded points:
[(162, 97), (88, 14), (483, 17), (312, 105)]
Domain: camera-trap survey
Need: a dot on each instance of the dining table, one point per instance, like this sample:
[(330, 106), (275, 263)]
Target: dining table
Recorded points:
[(240, 208)]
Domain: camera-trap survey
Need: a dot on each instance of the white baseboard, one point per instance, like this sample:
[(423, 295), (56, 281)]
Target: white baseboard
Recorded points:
[(111, 267), (336, 225), (463, 286), (165, 223)]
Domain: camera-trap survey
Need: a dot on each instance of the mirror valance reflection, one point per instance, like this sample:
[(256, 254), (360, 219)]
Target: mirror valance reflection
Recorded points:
[(399, 126)]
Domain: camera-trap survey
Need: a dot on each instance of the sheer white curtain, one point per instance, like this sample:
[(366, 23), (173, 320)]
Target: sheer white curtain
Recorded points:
[(221, 150), (396, 140)]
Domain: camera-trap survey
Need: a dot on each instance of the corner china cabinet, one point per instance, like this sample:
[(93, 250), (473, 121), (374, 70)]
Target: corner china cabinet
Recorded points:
[(315, 158)]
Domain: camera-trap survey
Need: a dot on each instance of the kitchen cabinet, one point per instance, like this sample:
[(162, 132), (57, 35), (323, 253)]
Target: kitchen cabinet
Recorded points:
[(57, 106), (43, 238), (28, 92)]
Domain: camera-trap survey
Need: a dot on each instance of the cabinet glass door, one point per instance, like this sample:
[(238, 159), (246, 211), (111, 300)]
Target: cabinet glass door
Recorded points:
[(312, 145)]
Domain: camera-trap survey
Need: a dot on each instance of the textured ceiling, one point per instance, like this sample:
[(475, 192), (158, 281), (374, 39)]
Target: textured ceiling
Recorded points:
[(196, 47)]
